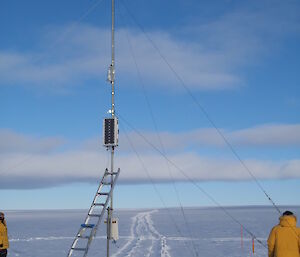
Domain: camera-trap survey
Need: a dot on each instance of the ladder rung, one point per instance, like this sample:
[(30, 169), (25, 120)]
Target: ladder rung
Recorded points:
[(105, 193), (106, 183), (78, 249), (94, 215), (99, 204), (87, 225)]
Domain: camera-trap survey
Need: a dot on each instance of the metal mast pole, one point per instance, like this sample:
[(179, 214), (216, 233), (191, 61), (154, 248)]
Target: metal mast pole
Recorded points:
[(113, 58), (110, 209)]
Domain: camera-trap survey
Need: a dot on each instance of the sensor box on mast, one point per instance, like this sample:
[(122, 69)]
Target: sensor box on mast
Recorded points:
[(114, 229), (110, 132)]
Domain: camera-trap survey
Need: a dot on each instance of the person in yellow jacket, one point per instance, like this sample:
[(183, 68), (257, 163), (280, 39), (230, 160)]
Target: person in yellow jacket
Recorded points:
[(284, 239), (3, 236)]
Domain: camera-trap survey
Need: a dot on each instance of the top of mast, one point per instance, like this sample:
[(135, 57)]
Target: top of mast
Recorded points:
[(111, 124), (112, 66)]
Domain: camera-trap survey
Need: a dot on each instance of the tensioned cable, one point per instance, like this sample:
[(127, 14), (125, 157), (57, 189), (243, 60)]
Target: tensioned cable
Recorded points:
[(157, 191), (203, 110), (162, 147), (192, 181), (71, 29), (201, 107), (58, 40), (158, 136)]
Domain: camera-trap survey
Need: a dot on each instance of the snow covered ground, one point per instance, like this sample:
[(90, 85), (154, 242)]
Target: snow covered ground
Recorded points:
[(206, 232)]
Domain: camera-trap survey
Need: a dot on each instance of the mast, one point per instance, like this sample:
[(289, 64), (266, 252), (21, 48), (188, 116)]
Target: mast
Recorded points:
[(103, 200), (112, 149)]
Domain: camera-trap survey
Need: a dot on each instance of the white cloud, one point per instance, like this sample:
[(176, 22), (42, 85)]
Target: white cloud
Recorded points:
[(87, 56), (268, 135), (209, 55), (251, 29), (80, 166), (11, 141), (25, 162)]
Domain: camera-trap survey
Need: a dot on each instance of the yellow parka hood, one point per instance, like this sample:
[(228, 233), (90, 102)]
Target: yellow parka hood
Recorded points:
[(284, 239), (288, 221)]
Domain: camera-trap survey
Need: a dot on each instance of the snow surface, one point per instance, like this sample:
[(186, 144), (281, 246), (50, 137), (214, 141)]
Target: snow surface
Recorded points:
[(206, 232)]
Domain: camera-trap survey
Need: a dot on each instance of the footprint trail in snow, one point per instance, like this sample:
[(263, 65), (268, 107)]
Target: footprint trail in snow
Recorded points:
[(144, 240)]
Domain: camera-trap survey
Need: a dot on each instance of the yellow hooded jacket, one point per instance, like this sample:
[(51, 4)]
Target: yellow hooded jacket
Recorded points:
[(3, 236), (284, 239)]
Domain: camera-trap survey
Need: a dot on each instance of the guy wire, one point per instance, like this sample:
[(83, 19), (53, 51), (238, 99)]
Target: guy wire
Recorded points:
[(192, 181), (189, 92), (158, 136)]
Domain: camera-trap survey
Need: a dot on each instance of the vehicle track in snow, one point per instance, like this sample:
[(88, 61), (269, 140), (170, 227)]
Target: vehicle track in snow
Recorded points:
[(144, 240)]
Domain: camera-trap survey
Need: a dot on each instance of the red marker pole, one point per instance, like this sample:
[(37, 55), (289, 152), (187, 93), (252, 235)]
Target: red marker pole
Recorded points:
[(253, 245)]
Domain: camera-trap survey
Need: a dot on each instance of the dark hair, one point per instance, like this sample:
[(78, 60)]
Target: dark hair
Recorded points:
[(287, 213)]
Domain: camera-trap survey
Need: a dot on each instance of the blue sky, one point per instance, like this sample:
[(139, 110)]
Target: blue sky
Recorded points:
[(240, 60)]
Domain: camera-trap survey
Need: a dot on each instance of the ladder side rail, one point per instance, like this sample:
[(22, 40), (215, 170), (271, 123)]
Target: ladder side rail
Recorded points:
[(109, 195), (96, 196), (87, 217), (93, 233), (103, 211)]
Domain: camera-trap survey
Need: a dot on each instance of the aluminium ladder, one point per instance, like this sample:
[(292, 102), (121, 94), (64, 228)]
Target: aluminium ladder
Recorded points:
[(88, 229)]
